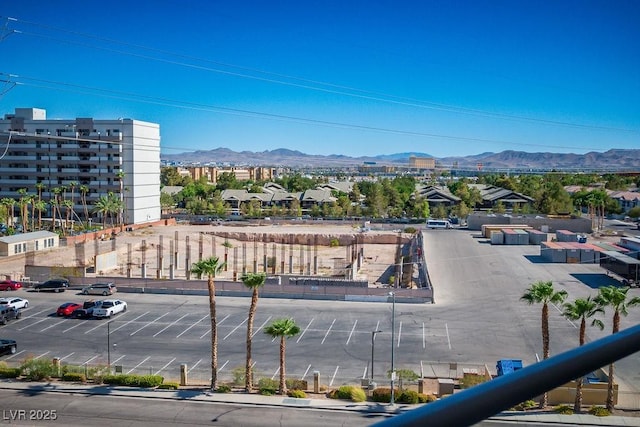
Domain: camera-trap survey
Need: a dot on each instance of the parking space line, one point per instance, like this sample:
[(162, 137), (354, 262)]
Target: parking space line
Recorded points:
[(132, 369), (87, 361), (68, 355), (147, 324), (276, 372), (236, 328), (74, 326), (424, 342), (305, 330), (169, 325), (43, 354), (118, 359), (33, 324), (305, 372), (225, 364), (126, 323), (446, 327), (262, 326), (94, 328), (364, 374), (219, 323), (194, 365), (29, 317), (183, 332), (14, 355), (352, 329), (328, 330), (51, 326), (164, 367), (334, 376), (399, 333)]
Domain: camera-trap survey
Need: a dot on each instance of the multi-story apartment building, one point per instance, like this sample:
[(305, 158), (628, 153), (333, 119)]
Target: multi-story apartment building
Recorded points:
[(119, 156)]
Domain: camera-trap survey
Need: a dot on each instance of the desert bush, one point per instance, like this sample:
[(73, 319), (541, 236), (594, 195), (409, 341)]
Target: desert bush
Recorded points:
[(426, 398), (382, 394), (410, 230), (334, 242), (527, 404), (38, 369), (469, 380), (73, 376), (408, 396), (358, 395), (133, 380), (238, 376), (267, 386), (298, 394), (344, 392), (332, 394), (295, 384), (223, 388), (563, 409), (599, 411), (6, 372), (169, 386)]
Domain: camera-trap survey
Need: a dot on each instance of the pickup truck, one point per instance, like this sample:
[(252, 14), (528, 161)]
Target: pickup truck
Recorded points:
[(87, 309), (110, 307)]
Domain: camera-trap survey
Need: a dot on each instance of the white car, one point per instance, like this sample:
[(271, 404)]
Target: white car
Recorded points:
[(16, 303), (110, 307)]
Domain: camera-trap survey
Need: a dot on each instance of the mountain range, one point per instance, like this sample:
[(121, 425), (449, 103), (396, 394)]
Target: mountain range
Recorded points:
[(611, 159)]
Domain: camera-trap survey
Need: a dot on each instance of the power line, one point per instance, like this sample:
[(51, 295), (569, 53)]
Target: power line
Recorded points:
[(305, 83)]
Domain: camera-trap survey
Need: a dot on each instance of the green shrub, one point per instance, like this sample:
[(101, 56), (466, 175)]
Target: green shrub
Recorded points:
[(238, 375), (6, 372), (358, 395), (332, 394), (408, 396), (223, 388), (334, 242), (527, 404), (344, 392), (73, 376), (294, 384), (599, 411), (563, 409), (267, 386), (382, 394), (133, 380), (38, 369), (469, 380), (150, 380), (298, 394), (266, 391), (426, 398), (169, 386), (410, 230)]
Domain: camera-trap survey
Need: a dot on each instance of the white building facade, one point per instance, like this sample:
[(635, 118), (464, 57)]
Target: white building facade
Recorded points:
[(119, 156)]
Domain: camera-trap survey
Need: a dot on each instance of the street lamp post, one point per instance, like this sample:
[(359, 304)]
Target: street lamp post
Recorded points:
[(373, 340), (393, 338)]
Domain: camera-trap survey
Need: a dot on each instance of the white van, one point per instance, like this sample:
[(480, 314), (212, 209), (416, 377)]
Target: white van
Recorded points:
[(438, 223)]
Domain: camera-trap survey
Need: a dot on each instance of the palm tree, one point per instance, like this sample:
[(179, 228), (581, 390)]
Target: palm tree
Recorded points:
[(120, 175), (282, 328), (616, 298), (252, 281), (582, 309), (84, 190), (23, 203), (40, 186), (210, 267), (544, 293)]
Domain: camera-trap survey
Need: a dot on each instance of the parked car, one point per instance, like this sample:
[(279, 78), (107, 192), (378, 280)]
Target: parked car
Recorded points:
[(16, 303), (86, 310), (8, 346), (9, 313), (100, 289), (10, 285), (110, 307), (54, 285), (67, 308)]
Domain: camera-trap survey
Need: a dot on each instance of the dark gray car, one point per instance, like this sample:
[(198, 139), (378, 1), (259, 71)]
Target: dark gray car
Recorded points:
[(53, 285)]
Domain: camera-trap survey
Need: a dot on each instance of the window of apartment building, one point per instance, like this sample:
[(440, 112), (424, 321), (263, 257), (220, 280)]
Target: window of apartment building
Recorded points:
[(37, 244)]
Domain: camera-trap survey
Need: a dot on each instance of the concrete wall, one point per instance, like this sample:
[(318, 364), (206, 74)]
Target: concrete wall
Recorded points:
[(577, 225)]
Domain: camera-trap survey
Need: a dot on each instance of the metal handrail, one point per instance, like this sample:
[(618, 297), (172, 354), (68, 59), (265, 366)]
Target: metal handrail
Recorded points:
[(485, 400)]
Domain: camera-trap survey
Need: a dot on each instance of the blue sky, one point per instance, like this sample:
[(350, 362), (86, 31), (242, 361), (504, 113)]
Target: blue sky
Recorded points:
[(446, 78)]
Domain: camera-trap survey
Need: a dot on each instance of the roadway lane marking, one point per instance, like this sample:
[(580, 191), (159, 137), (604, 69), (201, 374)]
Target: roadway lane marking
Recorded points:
[(87, 362), (116, 361), (236, 328), (33, 324), (183, 332), (29, 317), (74, 326), (377, 328), (334, 376), (399, 334), (169, 325), (328, 330), (68, 355), (51, 326), (14, 355), (225, 364), (364, 374), (305, 372), (164, 367), (218, 324), (275, 373), (446, 327), (305, 330), (147, 324), (132, 369), (424, 343), (43, 354), (352, 329), (262, 326), (194, 365), (126, 323)]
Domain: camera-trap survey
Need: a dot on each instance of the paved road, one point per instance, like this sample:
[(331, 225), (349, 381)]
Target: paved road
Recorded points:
[(477, 319)]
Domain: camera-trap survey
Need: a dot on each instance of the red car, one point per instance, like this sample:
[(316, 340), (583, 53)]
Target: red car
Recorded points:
[(10, 285), (67, 308)]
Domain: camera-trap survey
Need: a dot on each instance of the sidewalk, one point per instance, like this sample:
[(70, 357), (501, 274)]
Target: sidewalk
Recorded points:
[(529, 418)]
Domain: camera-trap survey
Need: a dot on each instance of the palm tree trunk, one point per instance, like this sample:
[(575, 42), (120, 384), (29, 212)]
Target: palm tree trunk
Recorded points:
[(214, 334), (248, 382), (283, 385), (616, 328), (545, 346), (577, 406)]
